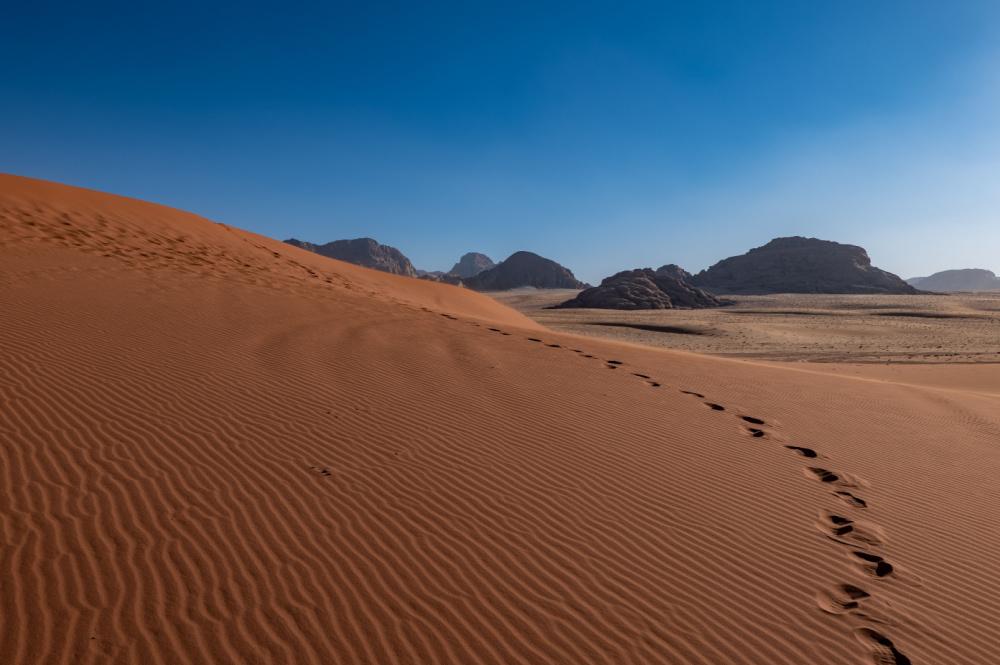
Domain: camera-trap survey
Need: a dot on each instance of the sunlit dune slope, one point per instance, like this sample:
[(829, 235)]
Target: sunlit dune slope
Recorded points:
[(217, 448)]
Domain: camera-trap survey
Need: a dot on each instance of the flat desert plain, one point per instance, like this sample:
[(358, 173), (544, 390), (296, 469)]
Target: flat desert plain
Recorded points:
[(217, 448), (953, 328)]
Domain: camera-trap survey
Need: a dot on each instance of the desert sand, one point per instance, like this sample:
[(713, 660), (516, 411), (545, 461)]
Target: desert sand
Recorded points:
[(217, 448), (960, 328)]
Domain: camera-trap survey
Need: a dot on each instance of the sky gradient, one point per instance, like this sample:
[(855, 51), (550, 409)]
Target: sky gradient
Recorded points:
[(603, 135)]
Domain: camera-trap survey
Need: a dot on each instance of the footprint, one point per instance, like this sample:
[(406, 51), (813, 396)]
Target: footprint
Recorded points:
[(805, 452), (850, 499), (756, 433), (835, 525), (827, 476), (587, 355), (654, 384), (534, 339), (641, 376), (715, 407), (321, 470), (846, 531), (689, 392), (610, 366), (842, 599), (554, 346), (615, 362), (752, 420), (873, 564), (495, 330), (883, 651)]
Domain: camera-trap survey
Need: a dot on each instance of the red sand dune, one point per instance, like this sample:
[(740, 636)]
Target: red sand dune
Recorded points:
[(217, 448)]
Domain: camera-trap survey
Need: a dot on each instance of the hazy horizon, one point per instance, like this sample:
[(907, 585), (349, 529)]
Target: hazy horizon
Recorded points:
[(602, 137)]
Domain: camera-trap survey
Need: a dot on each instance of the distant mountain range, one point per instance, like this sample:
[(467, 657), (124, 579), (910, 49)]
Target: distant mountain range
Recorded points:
[(474, 270), (783, 265), (966, 279)]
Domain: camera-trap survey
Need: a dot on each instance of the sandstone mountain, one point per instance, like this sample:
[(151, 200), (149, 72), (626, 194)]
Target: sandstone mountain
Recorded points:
[(363, 252), (524, 269), (800, 265), (644, 288), (968, 279), (471, 264)]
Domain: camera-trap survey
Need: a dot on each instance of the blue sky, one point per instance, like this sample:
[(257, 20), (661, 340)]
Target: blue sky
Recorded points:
[(603, 135)]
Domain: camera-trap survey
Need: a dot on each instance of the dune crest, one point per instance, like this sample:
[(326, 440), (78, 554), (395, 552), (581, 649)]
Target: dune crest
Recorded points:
[(220, 448)]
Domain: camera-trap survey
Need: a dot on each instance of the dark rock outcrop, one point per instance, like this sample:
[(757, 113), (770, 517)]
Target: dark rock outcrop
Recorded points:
[(363, 252), (675, 271), (664, 288), (967, 279), (471, 264), (800, 265), (524, 269)]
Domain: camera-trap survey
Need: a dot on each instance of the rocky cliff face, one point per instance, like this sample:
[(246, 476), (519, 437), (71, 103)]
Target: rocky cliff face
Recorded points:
[(800, 265), (363, 252), (471, 264), (968, 279), (524, 269), (664, 288)]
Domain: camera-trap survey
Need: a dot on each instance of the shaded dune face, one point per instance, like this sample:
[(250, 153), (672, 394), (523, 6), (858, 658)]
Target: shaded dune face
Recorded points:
[(220, 448)]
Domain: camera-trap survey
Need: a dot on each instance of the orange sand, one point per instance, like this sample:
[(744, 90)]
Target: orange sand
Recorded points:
[(217, 448)]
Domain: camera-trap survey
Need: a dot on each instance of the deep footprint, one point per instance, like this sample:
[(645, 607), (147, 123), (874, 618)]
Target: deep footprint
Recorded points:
[(534, 339), (824, 475), (846, 531), (884, 652), (836, 525), (842, 599), (752, 420), (615, 362), (715, 407), (852, 500), (756, 433), (873, 564), (805, 452)]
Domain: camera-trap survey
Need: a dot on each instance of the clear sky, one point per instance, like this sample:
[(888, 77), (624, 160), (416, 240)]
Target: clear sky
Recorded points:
[(604, 135)]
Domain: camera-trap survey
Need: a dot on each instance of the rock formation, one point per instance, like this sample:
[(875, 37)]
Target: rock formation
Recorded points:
[(524, 269), (968, 279), (800, 265), (363, 252), (664, 288), (471, 264)]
